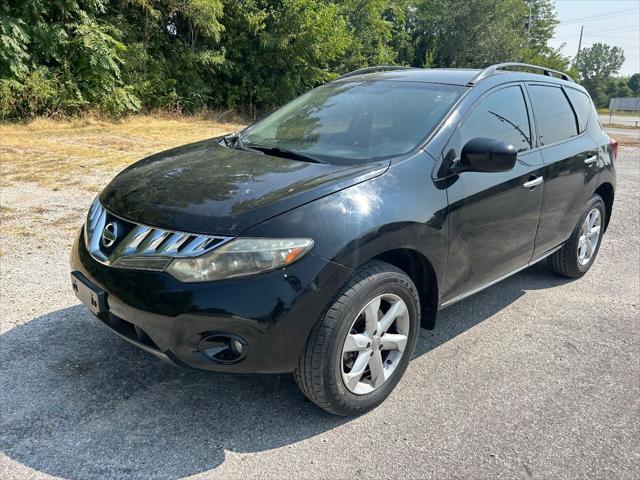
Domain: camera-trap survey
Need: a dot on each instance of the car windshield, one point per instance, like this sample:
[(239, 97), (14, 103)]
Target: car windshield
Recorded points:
[(355, 121)]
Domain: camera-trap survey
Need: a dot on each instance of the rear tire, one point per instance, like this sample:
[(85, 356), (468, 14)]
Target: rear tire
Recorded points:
[(578, 253), (370, 330)]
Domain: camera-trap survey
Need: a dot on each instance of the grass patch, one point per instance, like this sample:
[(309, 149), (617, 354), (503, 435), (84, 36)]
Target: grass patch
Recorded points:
[(624, 127), (605, 111), (73, 153)]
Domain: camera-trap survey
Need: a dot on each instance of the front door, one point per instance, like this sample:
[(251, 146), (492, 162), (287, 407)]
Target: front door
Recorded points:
[(493, 217)]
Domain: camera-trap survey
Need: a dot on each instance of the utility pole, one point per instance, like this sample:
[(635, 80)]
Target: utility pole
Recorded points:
[(580, 41)]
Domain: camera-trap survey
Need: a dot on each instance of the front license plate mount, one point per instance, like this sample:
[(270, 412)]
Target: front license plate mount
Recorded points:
[(94, 298)]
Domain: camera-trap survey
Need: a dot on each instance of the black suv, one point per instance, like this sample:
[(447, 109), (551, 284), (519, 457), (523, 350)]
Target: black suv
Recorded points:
[(319, 239)]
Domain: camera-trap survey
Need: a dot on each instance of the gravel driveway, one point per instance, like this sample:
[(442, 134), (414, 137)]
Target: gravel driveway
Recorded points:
[(535, 377)]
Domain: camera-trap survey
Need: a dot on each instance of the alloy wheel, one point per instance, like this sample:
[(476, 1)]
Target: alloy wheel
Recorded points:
[(375, 344), (589, 236)]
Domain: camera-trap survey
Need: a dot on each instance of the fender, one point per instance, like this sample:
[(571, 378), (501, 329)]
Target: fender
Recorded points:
[(400, 209)]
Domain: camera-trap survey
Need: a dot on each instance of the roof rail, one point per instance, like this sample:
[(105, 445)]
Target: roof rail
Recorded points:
[(378, 68), (487, 72)]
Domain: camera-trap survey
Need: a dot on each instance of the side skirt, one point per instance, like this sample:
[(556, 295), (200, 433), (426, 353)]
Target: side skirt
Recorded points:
[(464, 295)]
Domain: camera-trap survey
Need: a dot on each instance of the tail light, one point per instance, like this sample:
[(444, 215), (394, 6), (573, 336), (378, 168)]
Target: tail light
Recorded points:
[(614, 148)]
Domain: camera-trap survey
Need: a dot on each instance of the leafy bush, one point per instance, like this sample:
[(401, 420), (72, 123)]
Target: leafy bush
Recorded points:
[(35, 94)]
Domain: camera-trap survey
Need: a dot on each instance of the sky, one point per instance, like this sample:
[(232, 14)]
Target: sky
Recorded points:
[(615, 22)]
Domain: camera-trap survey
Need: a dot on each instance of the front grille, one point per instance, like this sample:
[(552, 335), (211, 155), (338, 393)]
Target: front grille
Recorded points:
[(111, 240)]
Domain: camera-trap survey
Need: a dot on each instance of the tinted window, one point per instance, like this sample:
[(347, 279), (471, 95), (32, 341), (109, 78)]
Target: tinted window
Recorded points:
[(582, 105), (554, 116), (501, 116), (356, 121)]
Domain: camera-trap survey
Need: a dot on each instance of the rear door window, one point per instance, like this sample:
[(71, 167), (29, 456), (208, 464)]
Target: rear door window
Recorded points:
[(500, 116), (582, 105), (553, 113)]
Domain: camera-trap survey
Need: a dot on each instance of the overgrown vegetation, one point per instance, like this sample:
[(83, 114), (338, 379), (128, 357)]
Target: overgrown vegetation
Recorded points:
[(115, 57)]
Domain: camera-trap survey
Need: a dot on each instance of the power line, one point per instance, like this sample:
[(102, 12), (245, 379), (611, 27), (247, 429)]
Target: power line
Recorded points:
[(608, 35), (623, 29), (599, 16)]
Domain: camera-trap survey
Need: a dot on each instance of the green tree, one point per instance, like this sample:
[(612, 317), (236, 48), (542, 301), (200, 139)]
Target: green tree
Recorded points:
[(540, 24), (468, 33), (400, 16), (551, 58), (277, 50), (64, 57), (371, 33), (596, 67), (634, 83), (618, 87), (600, 61)]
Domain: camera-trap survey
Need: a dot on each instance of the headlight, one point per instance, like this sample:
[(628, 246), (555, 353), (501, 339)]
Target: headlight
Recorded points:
[(240, 257)]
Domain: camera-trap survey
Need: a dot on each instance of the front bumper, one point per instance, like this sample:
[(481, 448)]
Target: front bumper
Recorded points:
[(272, 313)]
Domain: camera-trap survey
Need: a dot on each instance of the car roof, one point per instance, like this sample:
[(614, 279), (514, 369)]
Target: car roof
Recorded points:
[(452, 76)]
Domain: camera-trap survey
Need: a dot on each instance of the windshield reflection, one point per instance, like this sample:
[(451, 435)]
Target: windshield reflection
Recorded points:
[(356, 120)]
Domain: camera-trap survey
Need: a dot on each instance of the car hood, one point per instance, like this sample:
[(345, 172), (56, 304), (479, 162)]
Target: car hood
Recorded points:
[(207, 188)]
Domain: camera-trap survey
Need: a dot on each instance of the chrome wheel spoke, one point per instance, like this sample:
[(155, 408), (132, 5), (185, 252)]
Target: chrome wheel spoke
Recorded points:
[(393, 341), (371, 315), (356, 342), (354, 376), (396, 310), (377, 369), (582, 247)]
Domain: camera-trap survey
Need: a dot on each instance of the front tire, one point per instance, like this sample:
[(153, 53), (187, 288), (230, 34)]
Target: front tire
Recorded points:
[(577, 255), (359, 350)]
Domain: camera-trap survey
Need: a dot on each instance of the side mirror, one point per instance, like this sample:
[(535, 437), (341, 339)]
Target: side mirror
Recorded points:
[(486, 155)]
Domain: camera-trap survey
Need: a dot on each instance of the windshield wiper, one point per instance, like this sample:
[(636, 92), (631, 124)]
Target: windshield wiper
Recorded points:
[(283, 152), (235, 141)]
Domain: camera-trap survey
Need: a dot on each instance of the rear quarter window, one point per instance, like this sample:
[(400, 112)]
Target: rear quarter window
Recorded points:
[(553, 113), (582, 105)]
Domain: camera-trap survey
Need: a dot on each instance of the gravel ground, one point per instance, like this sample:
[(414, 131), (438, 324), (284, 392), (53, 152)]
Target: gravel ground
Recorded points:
[(535, 377)]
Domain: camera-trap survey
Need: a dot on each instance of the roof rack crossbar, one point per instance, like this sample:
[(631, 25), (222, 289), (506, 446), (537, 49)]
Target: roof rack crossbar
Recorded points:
[(378, 68), (487, 72)]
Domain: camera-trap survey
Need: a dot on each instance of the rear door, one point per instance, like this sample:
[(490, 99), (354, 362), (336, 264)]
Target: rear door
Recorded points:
[(570, 156), (493, 217)]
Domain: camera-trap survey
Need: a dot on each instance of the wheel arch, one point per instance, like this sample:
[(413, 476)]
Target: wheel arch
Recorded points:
[(606, 191), (418, 267)]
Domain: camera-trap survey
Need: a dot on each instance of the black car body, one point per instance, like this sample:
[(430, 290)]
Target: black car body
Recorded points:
[(429, 212)]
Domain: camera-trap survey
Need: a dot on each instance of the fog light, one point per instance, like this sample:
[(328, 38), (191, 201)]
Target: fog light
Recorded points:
[(223, 348), (236, 346)]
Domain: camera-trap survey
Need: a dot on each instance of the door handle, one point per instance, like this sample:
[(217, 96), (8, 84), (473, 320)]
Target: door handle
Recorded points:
[(591, 160), (533, 183)]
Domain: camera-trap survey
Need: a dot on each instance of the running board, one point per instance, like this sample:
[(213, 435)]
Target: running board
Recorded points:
[(462, 296)]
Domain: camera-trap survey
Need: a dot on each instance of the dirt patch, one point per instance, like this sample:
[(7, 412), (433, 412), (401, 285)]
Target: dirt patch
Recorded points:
[(84, 153)]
